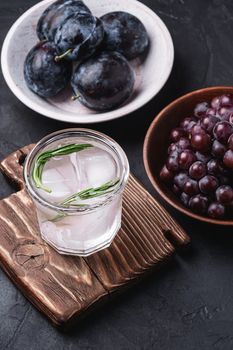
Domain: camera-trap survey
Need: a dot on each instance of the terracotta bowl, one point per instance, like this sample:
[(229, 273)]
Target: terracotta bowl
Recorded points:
[(157, 140)]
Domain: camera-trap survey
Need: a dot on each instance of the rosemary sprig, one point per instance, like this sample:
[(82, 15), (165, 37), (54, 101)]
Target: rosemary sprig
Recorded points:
[(85, 194), (90, 193), (47, 155)]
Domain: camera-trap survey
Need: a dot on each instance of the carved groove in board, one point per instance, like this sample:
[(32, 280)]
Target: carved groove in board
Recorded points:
[(159, 237), (63, 287)]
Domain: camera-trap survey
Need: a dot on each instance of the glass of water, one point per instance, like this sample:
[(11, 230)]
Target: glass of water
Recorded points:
[(76, 179)]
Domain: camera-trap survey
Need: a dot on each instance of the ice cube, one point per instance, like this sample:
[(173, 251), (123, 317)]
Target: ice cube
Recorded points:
[(96, 167), (59, 175)]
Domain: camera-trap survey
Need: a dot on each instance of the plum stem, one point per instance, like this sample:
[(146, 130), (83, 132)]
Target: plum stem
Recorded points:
[(75, 97), (59, 58)]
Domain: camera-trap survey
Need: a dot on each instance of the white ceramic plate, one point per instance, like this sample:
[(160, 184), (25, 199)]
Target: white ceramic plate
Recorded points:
[(151, 74)]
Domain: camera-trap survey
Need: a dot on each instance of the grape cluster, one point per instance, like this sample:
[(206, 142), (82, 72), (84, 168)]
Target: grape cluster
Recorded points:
[(199, 166)]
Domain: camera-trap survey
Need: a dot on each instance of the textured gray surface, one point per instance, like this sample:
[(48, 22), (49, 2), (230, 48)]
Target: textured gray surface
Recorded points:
[(187, 305)]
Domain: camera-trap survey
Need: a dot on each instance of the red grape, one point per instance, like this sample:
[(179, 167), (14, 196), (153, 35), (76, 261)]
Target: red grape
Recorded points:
[(173, 162), (179, 146), (180, 179), (230, 142), (218, 149), (222, 131), (186, 158), (208, 184), (221, 101), (166, 175), (214, 167), (183, 144), (231, 118), (215, 103), (198, 203), (188, 123), (175, 189), (225, 113), (197, 170), (197, 129), (200, 109), (176, 134), (228, 159), (216, 210), (201, 142), (208, 122), (172, 148), (184, 197), (224, 194), (212, 112), (191, 187), (202, 157)]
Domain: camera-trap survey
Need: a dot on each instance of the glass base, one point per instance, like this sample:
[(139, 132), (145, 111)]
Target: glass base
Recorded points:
[(83, 252)]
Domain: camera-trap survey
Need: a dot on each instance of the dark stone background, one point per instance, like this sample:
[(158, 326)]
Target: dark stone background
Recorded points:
[(188, 304)]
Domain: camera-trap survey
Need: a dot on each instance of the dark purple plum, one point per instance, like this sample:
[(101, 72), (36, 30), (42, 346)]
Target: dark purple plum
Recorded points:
[(79, 37), (43, 75), (56, 14), (104, 81), (125, 33)]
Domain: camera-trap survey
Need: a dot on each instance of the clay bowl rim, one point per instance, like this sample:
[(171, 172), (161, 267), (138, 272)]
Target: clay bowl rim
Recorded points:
[(146, 151)]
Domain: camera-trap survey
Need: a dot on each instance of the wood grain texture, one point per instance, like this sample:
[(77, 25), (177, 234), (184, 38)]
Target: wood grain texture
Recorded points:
[(64, 287)]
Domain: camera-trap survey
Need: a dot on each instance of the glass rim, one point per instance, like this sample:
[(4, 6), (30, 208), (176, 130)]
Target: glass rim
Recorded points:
[(52, 137)]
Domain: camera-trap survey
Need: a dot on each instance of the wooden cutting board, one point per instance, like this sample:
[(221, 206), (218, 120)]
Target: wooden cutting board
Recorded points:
[(65, 287)]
